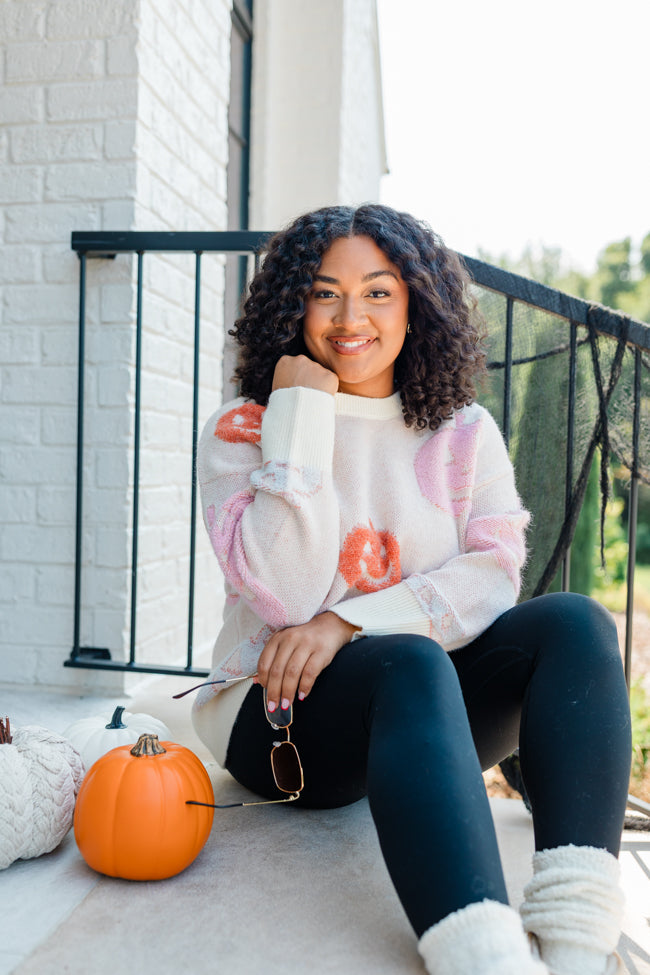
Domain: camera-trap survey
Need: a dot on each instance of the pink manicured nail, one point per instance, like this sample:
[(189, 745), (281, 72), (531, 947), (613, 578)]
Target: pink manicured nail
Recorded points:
[(301, 695), (271, 705), (285, 703)]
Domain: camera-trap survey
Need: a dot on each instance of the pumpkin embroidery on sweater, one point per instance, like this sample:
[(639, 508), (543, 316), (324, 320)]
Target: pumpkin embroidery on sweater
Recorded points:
[(225, 533), (444, 465), (241, 425), (370, 560)]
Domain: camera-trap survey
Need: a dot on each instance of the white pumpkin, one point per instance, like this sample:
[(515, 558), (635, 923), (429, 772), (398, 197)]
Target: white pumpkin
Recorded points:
[(93, 737), (40, 775)]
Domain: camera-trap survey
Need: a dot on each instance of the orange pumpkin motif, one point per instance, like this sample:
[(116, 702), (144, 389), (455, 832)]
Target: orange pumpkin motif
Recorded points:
[(132, 819), (241, 425), (370, 560)]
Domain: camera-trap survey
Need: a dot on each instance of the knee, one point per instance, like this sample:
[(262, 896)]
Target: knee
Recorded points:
[(408, 661), (580, 625)]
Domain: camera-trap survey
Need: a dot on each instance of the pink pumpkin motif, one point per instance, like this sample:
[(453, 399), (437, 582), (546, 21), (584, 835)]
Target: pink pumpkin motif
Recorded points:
[(224, 530), (444, 466)]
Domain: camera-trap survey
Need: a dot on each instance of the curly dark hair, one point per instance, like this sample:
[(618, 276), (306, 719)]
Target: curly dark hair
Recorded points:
[(443, 353)]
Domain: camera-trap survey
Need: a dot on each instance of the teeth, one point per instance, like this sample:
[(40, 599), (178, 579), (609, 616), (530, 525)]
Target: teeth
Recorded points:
[(352, 344)]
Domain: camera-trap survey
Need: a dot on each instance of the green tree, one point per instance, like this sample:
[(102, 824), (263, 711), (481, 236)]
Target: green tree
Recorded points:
[(619, 281), (613, 277), (645, 255)]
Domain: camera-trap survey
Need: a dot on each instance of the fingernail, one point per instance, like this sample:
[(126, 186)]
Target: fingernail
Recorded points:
[(255, 680), (285, 703), (301, 695), (271, 705)]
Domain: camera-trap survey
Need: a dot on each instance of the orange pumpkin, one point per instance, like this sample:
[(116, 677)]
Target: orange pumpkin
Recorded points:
[(132, 819)]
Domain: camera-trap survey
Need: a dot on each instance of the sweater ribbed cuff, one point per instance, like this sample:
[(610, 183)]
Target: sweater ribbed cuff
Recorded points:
[(298, 428), (392, 610)]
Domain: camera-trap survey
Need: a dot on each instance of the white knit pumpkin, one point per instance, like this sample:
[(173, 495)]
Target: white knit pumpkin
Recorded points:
[(40, 775), (93, 737)]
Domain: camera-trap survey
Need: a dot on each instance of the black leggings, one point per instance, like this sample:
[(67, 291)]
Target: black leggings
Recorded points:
[(410, 726)]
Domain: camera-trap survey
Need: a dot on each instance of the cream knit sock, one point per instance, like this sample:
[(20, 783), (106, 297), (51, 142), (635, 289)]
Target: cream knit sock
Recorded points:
[(481, 939), (574, 904)]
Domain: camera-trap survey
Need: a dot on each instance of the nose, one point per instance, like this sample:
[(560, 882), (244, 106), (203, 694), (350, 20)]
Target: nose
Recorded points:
[(349, 312)]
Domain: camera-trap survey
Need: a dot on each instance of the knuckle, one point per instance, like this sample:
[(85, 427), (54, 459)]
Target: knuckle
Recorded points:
[(292, 670), (276, 670)]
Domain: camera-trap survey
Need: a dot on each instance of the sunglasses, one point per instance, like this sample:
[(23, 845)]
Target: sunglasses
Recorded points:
[(285, 761)]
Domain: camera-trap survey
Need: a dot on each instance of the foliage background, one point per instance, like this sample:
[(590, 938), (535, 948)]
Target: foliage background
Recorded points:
[(621, 280)]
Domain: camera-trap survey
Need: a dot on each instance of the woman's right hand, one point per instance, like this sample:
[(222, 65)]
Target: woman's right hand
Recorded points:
[(294, 657), (300, 370)]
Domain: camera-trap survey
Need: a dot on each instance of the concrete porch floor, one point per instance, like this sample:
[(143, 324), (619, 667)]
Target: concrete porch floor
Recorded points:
[(276, 890)]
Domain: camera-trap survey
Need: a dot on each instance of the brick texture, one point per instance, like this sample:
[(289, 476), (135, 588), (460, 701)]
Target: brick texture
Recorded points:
[(112, 115)]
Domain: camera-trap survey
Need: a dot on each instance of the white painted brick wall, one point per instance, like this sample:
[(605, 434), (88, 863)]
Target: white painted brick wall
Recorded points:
[(115, 116), (183, 57)]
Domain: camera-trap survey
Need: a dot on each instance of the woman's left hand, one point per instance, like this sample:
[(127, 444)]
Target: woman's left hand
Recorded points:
[(294, 657)]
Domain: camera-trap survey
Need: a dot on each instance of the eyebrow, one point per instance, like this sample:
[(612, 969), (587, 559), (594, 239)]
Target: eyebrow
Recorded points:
[(367, 277)]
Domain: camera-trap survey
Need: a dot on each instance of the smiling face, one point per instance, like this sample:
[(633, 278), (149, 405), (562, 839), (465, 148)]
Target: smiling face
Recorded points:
[(356, 315)]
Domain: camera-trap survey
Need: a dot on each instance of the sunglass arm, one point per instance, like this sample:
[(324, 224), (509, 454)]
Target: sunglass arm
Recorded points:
[(233, 805), (208, 683)]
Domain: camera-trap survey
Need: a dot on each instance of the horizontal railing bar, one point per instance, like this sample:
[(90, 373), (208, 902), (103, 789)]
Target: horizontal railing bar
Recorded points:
[(125, 666), (558, 303), (539, 357), (108, 243)]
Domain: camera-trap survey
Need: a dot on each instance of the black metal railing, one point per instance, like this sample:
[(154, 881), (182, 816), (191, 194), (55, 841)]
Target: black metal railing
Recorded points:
[(626, 337), (107, 245)]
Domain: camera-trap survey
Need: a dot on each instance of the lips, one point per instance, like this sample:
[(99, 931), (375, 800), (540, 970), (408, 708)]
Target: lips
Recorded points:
[(351, 346)]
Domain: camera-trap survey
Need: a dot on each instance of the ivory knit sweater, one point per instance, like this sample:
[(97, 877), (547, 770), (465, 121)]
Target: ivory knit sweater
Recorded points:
[(321, 502)]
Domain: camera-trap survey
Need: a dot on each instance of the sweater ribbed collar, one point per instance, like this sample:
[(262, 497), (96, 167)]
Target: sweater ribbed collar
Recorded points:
[(368, 408)]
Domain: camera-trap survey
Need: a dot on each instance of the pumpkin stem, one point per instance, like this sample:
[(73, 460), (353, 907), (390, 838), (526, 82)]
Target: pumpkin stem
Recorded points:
[(116, 720), (5, 732), (147, 745)]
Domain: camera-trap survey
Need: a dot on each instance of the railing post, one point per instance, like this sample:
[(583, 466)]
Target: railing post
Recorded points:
[(80, 456), (633, 516), (136, 461), (570, 439), (195, 437), (507, 379)]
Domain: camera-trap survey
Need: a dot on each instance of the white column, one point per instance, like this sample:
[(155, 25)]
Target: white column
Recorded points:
[(317, 125)]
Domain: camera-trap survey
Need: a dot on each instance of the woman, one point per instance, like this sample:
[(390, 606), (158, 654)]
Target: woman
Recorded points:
[(363, 510)]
